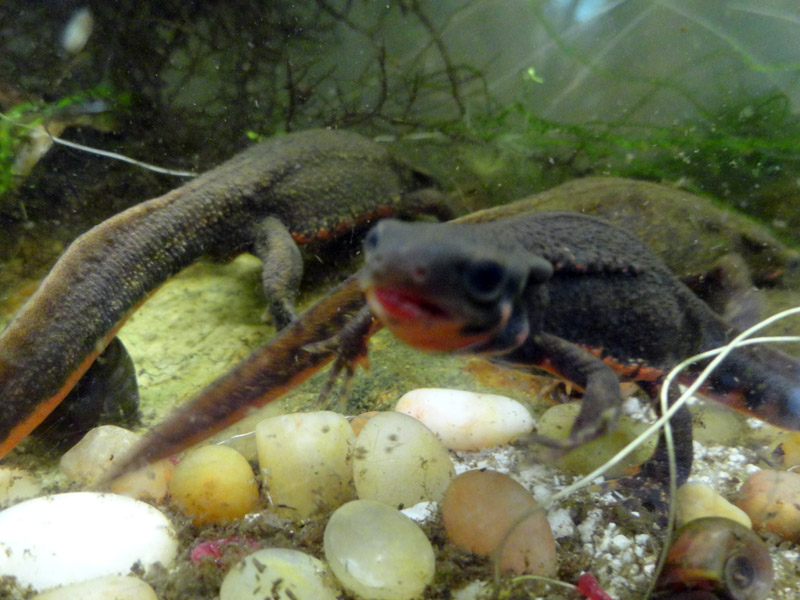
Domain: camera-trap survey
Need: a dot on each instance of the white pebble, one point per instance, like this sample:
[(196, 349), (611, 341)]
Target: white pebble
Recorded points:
[(117, 587), (561, 523), (621, 542), (422, 512), (467, 420), (588, 526), (279, 574), (69, 538), (77, 31)]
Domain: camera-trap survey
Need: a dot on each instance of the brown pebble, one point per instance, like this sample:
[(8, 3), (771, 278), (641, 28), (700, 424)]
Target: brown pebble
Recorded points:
[(480, 507), (772, 501)]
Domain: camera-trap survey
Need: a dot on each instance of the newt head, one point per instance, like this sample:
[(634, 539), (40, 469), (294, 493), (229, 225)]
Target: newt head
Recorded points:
[(434, 287)]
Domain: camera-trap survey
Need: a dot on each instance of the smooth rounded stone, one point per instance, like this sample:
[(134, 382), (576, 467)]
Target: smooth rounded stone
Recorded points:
[(17, 484), (378, 553), (787, 448), (467, 420), (358, 422), (99, 450), (116, 587), (69, 538), (479, 509), (305, 461), (695, 500), (279, 574), (556, 423), (151, 482), (770, 499), (214, 484), (399, 461), (714, 423)]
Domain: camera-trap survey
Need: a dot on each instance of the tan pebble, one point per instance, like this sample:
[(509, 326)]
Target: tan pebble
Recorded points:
[(478, 510), (279, 574), (151, 482), (358, 422), (17, 484), (118, 587), (714, 423), (88, 460), (789, 449), (378, 553), (214, 484), (770, 498), (696, 500)]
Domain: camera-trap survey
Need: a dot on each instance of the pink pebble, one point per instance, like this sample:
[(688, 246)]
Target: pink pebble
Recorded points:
[(213, 549)]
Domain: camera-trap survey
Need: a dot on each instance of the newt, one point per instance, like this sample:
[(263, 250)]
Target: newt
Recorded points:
[(301, 189), (572, 295), (564, 292)]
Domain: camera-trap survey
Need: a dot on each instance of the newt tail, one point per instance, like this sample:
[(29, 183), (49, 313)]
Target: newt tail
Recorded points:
[(264, 376), (757, 380)]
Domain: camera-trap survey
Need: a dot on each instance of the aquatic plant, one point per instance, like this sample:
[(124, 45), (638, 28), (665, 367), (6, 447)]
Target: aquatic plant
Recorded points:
[(27, 128)]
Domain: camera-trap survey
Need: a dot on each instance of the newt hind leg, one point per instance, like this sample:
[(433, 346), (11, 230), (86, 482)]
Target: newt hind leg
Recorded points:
[(648, 488), (657, 467)]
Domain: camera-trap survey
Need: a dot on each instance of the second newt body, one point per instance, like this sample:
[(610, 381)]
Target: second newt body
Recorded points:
[(297, 189)]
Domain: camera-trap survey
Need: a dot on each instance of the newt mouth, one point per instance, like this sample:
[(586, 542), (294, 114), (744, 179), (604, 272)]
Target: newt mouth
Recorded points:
[(405, 306), (419, 322)]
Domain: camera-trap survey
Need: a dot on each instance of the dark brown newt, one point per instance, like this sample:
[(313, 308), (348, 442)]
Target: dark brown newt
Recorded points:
[(297, 189), (564, 292), (570, 294)]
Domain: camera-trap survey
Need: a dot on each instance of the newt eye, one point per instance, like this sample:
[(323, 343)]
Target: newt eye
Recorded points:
[(484, 280), (371, 239)]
